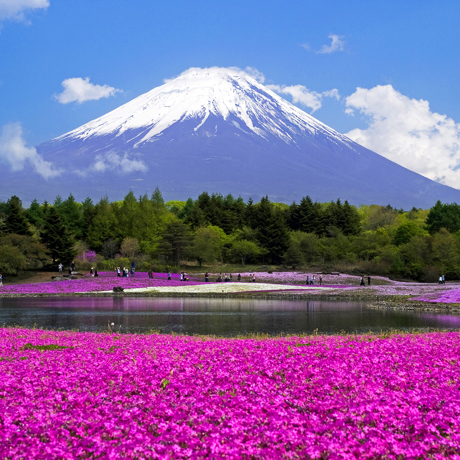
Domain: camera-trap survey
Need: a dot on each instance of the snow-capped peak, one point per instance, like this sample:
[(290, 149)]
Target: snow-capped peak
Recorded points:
[(195, 95)]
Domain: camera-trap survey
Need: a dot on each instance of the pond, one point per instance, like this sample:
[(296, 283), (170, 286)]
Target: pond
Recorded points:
[(223, 317)]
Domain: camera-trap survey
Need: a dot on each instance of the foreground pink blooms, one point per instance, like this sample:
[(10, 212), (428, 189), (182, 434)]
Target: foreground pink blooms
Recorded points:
[(72, 395)]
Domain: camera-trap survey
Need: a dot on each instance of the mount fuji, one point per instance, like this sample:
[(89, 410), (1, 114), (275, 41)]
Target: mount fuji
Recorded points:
[(220, 130)]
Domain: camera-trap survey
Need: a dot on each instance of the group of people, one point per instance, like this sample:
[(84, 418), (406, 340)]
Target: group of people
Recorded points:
[(362, 282), (312, 280), (228, 277), (71, 267), (93, 272), (123, 273), (183, 276), (442, 280)]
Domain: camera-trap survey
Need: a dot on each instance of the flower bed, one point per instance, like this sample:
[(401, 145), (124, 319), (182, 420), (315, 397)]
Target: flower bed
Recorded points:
[(104, 282), (450, 296), (81, 395)]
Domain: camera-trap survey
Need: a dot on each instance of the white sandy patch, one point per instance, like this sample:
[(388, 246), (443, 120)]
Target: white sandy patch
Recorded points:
[(222, 287)]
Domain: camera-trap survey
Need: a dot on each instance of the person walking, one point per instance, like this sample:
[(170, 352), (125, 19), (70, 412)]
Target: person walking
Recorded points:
[(320, 280), (60, 266), (1, 279), (206, 277), (368, 280), (169, 276)]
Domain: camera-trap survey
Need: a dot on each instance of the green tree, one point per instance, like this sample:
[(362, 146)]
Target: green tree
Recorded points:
[(16, 221), (245, 250), (207, 244), (35, 253), (35, 214), (405, 232), (271, 230), (72, 216), (104, 225), (11, 260), (175, 239), (57, 238), (443, 216), (445, 253)]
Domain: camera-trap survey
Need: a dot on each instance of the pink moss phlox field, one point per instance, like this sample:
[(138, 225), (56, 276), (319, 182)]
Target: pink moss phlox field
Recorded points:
[(104, 282), (165, 397), (451, 296)]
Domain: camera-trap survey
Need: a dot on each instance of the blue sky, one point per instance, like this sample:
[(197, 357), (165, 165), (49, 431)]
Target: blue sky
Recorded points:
[(403, 55)]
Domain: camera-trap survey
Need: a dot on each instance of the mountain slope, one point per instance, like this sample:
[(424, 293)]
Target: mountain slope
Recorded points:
[(220, 130)]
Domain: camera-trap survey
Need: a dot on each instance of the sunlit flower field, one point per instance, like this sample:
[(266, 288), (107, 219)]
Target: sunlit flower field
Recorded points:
[(72, 395)]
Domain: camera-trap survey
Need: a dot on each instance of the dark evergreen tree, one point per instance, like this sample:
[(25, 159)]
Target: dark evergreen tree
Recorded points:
[(16, 221), (187, 209), (104, 225), (294, 216), (308, 215), (272, 232), (88, 212), (443, 216), (72, 214), (250, 219), (35, 214), (175, 240), (351, 220), (57, 238)]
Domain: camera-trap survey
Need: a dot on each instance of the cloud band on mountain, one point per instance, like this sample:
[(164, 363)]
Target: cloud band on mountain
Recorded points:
[(405, 131), (14, 151), (302, 95)]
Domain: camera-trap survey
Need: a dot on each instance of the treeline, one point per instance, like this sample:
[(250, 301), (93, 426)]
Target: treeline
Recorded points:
[(417, 244)]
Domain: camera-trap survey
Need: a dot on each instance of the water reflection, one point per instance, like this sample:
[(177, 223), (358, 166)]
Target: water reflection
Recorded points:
[(225, 317)]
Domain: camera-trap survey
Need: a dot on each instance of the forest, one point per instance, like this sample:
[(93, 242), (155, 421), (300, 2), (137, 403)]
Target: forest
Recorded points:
[(216, 232)]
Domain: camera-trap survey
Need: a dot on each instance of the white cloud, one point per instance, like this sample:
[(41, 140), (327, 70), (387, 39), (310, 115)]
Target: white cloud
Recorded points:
[(332, 93), (14, 151), (14, 9), (405, 131), (254, 73), (302, 95), (337, 44), (81, 90), (111, 161)]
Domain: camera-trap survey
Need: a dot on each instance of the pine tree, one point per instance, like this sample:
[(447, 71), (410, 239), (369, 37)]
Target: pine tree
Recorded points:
[(35, 214), (104, 225), (272, 232), (57, 238), (175, 239), (72, 215), (16, 221)]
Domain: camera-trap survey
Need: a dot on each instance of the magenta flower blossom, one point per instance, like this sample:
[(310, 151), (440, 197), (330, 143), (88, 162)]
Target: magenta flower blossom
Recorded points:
[(82, 395), (106, 281)]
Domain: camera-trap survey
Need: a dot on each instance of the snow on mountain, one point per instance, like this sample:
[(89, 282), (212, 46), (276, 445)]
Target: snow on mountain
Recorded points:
[(198, 93), (220, 130)]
